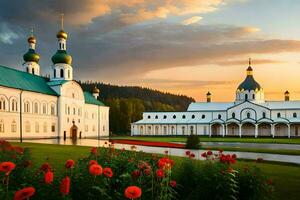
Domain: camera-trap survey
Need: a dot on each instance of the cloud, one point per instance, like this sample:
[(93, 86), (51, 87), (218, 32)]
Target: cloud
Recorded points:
[(7, 36), (191, 20), (245, 62)]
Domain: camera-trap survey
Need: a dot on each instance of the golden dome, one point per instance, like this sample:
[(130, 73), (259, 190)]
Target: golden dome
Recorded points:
[(96, 90), (62, 34), (31, 39)]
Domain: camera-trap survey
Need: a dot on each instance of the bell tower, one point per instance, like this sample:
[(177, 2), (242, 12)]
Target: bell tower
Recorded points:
[(31, 58)]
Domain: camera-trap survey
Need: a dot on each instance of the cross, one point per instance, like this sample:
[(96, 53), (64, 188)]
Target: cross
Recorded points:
[(31, 31), (62, 21), (249, 61)]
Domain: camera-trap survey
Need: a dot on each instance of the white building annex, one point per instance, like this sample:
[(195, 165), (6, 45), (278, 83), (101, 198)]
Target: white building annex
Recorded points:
[(33, 106), (249, 115)]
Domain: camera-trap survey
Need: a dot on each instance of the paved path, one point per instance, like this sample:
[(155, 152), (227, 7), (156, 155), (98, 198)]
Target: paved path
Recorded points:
[(252, 145), (172, 151)]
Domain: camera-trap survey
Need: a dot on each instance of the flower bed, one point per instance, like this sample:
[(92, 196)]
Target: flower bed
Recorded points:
[(148, 143)]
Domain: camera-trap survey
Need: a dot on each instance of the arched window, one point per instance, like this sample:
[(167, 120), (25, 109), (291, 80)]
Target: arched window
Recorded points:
[(233, 115), (253, 96), (37, 127), (44, 108), (165, 130), (142, 130), (14, 105), (193, 116), (69, 111), (54, 73), (278, 115), (52, 110), (149, 130), (203, 116), (27, 69), (74, 112), (149, 117), (45, 129), (219, 116), (183, 130), (53, 127), (248, 115), (264, 115), (295, 115), (94, 128), (61, 73), (172, 130), (13, 126), (246, 96), (156, 130), (26, 107), (174, 116), (32, 70), (27, 127), (36, 108), (69, 74), (192, 130), (2, 103), (156, 117), (1, 126), (165, 116), (183, 116)]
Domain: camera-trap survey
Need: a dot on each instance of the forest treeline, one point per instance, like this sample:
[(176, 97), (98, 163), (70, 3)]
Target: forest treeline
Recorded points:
[(127, 103)]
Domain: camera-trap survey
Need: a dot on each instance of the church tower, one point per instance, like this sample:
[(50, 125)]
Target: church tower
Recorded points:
[(61, 68), (31, 58), (249, 89)]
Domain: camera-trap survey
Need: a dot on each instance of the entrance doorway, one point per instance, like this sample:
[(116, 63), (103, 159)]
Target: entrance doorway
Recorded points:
[(73, 132)]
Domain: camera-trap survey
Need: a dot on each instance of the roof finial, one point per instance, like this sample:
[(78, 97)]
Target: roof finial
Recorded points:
[(62, 21), (32, 31), (250, 62)]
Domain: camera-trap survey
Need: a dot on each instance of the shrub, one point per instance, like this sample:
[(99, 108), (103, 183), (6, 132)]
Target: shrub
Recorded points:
[(192, 142)]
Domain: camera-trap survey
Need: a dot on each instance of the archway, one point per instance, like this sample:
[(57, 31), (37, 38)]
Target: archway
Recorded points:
[(248, 129), (73, 131), (232, 129), (216, 129), (264, 129), (295, 130), (281, 130)]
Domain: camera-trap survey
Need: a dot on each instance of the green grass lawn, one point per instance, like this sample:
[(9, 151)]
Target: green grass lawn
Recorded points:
[(286, 177), (213, 139)]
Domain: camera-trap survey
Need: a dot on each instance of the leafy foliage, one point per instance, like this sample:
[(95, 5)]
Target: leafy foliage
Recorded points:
[(192, 142)]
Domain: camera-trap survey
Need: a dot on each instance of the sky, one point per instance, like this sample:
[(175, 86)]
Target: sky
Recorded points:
[(185, 47)]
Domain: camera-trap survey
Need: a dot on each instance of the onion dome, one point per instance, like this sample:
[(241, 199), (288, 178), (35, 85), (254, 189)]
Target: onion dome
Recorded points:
[(286, 93), (31, 56), (96, 90), (61, 56), (31, 39), (208, 93), (62, 34), (249, 83)]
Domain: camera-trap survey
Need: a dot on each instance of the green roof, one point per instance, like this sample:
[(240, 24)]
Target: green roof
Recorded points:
[(61, 56), (58, 82), (24, 81), (90, 99)]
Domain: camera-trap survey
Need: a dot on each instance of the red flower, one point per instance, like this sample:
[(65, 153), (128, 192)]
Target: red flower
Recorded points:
[(166, 152), (48, 177), (160, 173), (165, 162), (94, 150), (133, 192), (192, 155), (45, 167), (209, 153), (204, 155), (95, 170), (70, 164), (24, 193), (173, 183), (135, 174), (65, 186), (19, 150), (92, 162), (187, 153), (233, 156), (147, 171), (259, 160), (7, 167), (107, 172)]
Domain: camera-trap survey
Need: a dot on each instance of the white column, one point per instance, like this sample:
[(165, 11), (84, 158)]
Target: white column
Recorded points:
[(209, 130), (223, 130), (256, 130), (226, 129), (240, 130), (289, 131), (273, 130)]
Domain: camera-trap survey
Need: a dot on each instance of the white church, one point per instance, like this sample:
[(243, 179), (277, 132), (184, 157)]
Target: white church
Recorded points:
[(250, 115), (32, 106)]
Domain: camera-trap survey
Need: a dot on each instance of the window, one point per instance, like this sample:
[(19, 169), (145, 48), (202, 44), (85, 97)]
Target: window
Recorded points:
[(253, 96), (61, 73), (14, 105), (233, 115), (37, 127), (165, 116), (142, 130), (203, 116), (174, 116), (219, 116), (68, 73), (54, 73), (86, 128), (264, 115), (52, 111), (73, 95), (94, 128), (36, 108), (204, 130), (183, 116), (183, 130), (93, 115), (246, 96), (45, 127), (192, 129), (44, 108), (53, 128), (27, 127), (26, 107), (103, 128), (149, 117), (172, 130), (14, 127), (68, 110), (149, 130), (248, 115), (74, 112), (156, 130), (165, 130), (27, 69), (193, 116), (156, 117), (2, 103), (278, 115), (1, 126), (295, 115), (32, 70), (79, 111)]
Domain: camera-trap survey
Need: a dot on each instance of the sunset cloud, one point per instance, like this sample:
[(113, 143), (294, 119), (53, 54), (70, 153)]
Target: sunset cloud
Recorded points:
[(191, 20)]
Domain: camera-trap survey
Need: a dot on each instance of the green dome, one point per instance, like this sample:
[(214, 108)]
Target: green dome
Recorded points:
[(61, 56), (249, 84), (31, 56)]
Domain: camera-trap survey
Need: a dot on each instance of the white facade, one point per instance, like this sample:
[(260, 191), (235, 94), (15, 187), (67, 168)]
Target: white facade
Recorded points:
[(32, 106), (249, 115)]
